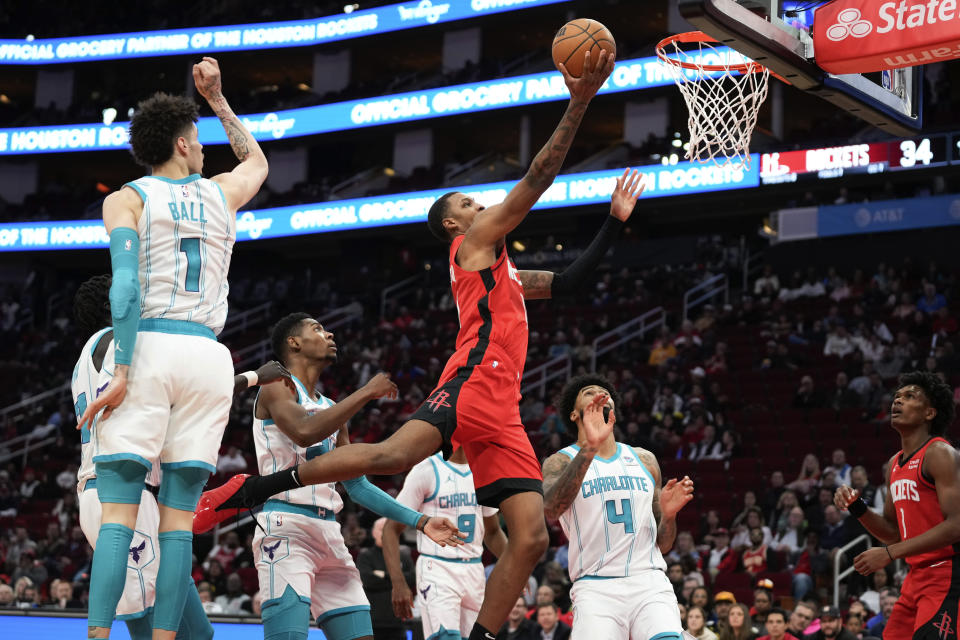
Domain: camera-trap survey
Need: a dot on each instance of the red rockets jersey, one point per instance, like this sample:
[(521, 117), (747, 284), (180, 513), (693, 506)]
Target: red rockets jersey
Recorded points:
[(491, 309), (915, 503)]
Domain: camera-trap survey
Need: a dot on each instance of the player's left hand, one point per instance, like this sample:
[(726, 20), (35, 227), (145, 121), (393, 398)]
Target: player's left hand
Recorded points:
[(871, 561), (274, 371), (675, 495), (108, 399), (624, 198), (443, 532), (206, 75), (402, 600)]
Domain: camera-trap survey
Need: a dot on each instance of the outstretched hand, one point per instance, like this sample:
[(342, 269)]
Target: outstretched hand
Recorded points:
[(443, 532), (595, 428), (593, 76), (381, 386), (675, 495), (107, 400), (624, 199)]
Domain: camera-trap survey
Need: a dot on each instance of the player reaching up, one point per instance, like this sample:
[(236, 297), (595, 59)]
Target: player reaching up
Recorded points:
[(171, 238), (608, 499), (921, 515), (476, 403)]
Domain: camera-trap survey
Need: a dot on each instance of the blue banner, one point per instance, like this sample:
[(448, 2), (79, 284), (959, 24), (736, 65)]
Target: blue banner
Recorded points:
[(378, 211), (888, 215), (628, 75), (243, 37)]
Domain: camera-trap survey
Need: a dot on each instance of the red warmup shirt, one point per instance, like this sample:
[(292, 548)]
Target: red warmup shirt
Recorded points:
[(916, 505), (491, 308)]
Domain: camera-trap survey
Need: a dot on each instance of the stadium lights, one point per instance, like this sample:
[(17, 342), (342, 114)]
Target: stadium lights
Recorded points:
[(109, 115), (350, 8)]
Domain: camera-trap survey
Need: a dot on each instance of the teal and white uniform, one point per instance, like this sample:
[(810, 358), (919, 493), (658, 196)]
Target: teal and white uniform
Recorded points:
[(180, 386), (450, 580), (299, 551), (620, 590), (139, 590)]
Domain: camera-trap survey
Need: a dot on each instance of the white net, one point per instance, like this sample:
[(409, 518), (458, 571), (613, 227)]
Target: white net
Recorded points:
[(723, 91)]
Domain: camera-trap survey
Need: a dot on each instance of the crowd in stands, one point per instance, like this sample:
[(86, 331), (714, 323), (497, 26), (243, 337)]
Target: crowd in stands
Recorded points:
[(801, 351)]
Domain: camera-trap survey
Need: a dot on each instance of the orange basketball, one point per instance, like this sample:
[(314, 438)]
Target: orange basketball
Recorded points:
[(576, 38)]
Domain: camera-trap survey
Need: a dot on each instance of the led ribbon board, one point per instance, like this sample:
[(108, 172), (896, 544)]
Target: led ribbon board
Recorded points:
[(888, 215), (245, 37), (341, 215), (629, 75)]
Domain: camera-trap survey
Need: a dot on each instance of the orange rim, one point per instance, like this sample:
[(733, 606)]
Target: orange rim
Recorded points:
[(701, 37)]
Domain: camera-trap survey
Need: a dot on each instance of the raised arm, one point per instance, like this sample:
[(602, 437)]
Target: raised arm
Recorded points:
[(667, 502), (543, 284), (492, 224), (305, 429), (883, 527), (241, 184)]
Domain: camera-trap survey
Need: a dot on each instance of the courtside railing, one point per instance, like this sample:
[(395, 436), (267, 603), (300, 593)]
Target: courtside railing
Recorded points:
[(838, 556), (631, 330), (706, 290)]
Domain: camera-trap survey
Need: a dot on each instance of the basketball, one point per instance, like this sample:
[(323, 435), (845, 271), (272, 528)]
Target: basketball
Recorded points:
[(576, 38)]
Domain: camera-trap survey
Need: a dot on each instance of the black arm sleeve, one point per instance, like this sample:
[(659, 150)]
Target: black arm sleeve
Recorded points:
[(576, 274)]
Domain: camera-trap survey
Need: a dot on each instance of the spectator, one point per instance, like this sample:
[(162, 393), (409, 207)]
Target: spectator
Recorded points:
[(738, 625), (206, 598), (216, 577), (749, 502), (29, 484), (834, 532), (807, 397), (232, 601), (839, 343), (696, 624), (517, 627), (9, 501), (767, 285), (700, 597), (861, 482), (729, 445), (789, 539), (663, 350), (842, 396), (21, 543), (854, 624), (675, 575), (754, 557), (809, 476), (722, 603), (667, 404), (838, 464), (722, 558), (67, 479), (944, 324), (811, 562), (753, 520), (6, 596), (776, 625), (788, 500), (878, 581), (689, 585), (888, 598), (831, 626), (61, 596), (227, 551), (762, 602), (379, 589), (232, 462), (550, 626), (800, 618), (931, 302), (771, 497), (29, 598), (708, 448), (30, 567)]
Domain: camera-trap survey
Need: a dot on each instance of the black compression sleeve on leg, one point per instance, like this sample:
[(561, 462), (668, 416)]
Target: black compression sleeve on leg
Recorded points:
[(573, 277)]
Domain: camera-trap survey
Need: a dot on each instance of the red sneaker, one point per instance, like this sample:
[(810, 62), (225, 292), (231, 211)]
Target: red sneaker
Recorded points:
[(207, 515)]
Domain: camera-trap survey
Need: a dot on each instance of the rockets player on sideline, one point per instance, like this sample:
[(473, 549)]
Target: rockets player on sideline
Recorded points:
[(171, 239), (921, 515), (476, 402), (91, 310), (619, 521), (451, 580), (304, 567)]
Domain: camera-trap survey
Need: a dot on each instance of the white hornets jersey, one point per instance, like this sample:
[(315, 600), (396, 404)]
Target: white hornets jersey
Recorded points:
[(84, 388), (275, 452), (442, 489), (186, 240), (610, 524)]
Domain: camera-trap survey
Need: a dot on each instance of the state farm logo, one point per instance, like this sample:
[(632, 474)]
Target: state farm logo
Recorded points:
[(851, 23)]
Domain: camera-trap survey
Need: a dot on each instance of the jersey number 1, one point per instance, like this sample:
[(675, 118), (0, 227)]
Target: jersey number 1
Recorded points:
[(625, 517), (191, 247)]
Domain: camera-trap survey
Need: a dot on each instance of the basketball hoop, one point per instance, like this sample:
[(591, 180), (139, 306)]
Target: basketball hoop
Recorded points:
[(724, 92)]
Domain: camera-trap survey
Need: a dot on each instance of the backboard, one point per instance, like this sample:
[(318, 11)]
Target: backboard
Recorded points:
[(776, 33)]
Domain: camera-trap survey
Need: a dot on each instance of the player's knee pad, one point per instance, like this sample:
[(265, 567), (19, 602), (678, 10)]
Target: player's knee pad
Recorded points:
[(347, 624), (120, 481), (445, 634), (181, 487), (286, 617)]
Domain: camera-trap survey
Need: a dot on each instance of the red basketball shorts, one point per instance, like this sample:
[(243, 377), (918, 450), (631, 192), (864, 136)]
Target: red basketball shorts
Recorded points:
[(929, 604)]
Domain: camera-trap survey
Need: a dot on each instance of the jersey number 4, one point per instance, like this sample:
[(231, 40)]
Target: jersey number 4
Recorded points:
[(624, 517), (191, 247)]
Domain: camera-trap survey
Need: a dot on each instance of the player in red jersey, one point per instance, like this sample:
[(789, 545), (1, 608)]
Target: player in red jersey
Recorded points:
[(921, 515), (476, 403)]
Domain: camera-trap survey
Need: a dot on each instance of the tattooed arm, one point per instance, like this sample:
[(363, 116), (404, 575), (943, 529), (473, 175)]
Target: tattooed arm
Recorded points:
[(241, 184), (493, 223), (562, 478), (667, 502)]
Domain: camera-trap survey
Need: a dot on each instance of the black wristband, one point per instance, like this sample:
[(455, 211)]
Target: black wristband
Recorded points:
[(424, 519), (857, 508), (571, 278), (890, 555)]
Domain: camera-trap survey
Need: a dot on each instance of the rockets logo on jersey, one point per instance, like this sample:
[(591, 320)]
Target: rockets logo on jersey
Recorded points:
[(904, 490)]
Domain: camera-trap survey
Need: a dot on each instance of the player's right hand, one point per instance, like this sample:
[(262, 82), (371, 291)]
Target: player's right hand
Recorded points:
[(595, 428), (381, 386), (844, 497), (402, 600), (593, 76), (274, 371), (108, 399), (206, 75)]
